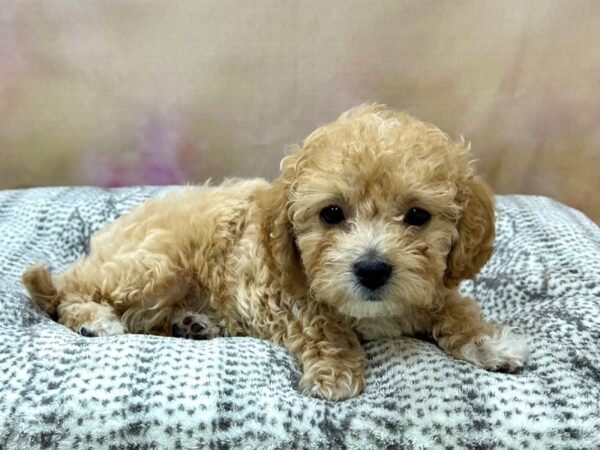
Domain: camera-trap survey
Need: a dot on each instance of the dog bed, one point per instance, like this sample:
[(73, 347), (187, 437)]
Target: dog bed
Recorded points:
[(61, 390)]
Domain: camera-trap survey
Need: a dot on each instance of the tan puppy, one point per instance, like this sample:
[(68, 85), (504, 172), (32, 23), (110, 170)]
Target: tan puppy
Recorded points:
[(368, 231)]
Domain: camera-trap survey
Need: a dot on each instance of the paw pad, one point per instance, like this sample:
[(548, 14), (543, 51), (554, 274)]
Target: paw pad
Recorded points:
[(197, 327)]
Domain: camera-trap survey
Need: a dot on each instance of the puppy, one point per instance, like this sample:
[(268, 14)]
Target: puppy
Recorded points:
[(367, 232)]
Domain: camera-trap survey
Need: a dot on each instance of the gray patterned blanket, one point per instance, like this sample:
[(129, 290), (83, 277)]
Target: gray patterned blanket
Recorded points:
[(61, 390)]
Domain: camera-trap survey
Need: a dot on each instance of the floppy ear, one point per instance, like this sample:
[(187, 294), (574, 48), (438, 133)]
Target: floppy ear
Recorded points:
[(277, 229), (476, 231)]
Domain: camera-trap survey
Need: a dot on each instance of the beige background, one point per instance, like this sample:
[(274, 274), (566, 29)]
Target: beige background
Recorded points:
[(129, 92)]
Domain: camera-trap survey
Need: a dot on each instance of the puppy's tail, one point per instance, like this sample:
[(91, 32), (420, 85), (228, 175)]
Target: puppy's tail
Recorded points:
[(38, 281)]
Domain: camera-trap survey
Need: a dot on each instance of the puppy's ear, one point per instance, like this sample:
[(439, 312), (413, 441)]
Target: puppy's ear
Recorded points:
[(476, 231), (277, 227)]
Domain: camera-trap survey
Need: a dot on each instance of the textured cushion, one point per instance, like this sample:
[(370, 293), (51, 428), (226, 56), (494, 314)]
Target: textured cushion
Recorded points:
[(61, 390)]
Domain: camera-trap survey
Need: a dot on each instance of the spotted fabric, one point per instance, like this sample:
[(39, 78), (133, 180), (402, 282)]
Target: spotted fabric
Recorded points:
[(61, 390)]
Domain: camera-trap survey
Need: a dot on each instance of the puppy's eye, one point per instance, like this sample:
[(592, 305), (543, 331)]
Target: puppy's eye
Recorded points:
[(332, 215), (417, 217)]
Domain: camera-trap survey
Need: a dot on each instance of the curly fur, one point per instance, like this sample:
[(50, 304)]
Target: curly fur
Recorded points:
[(257, 258)]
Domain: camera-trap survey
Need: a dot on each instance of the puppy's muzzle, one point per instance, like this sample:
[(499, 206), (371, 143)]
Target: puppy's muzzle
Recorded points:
[(372, 273)]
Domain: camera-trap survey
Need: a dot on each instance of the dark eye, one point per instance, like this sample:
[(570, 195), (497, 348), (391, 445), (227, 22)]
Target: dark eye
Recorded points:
[(416, 217), (332, 215)]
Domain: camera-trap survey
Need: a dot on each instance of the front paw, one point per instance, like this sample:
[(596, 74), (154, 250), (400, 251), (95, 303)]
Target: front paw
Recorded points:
[(333, 379), (502, 351)]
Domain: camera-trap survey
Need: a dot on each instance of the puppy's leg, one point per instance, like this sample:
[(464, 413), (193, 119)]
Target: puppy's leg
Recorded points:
[(331, 356), (75, 310), (95, 296), (192, 317), (460, 329), (89, 319), (141, 287)]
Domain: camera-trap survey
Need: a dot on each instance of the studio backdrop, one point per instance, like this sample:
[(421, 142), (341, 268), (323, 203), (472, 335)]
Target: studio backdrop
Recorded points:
[(126, 92)]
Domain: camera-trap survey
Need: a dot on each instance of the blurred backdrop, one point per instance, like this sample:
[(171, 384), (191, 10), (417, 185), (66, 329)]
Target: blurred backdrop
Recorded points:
[(119, 92)]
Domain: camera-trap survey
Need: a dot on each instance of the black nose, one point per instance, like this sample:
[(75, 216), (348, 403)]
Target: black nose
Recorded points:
[(372, 273)]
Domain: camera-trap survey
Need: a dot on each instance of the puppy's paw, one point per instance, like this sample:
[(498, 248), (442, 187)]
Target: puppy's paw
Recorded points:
[(194, 326), (333, 379), (102, 327), (503, 351)]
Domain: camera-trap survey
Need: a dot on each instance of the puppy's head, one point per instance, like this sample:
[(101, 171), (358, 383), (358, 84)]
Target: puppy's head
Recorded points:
[(377, 211)]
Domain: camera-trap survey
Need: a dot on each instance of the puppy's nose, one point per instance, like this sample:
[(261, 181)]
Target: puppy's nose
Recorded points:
[(372, 273)]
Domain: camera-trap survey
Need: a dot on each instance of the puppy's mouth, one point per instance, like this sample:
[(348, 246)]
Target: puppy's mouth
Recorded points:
[(367, 303), (369, 295)]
